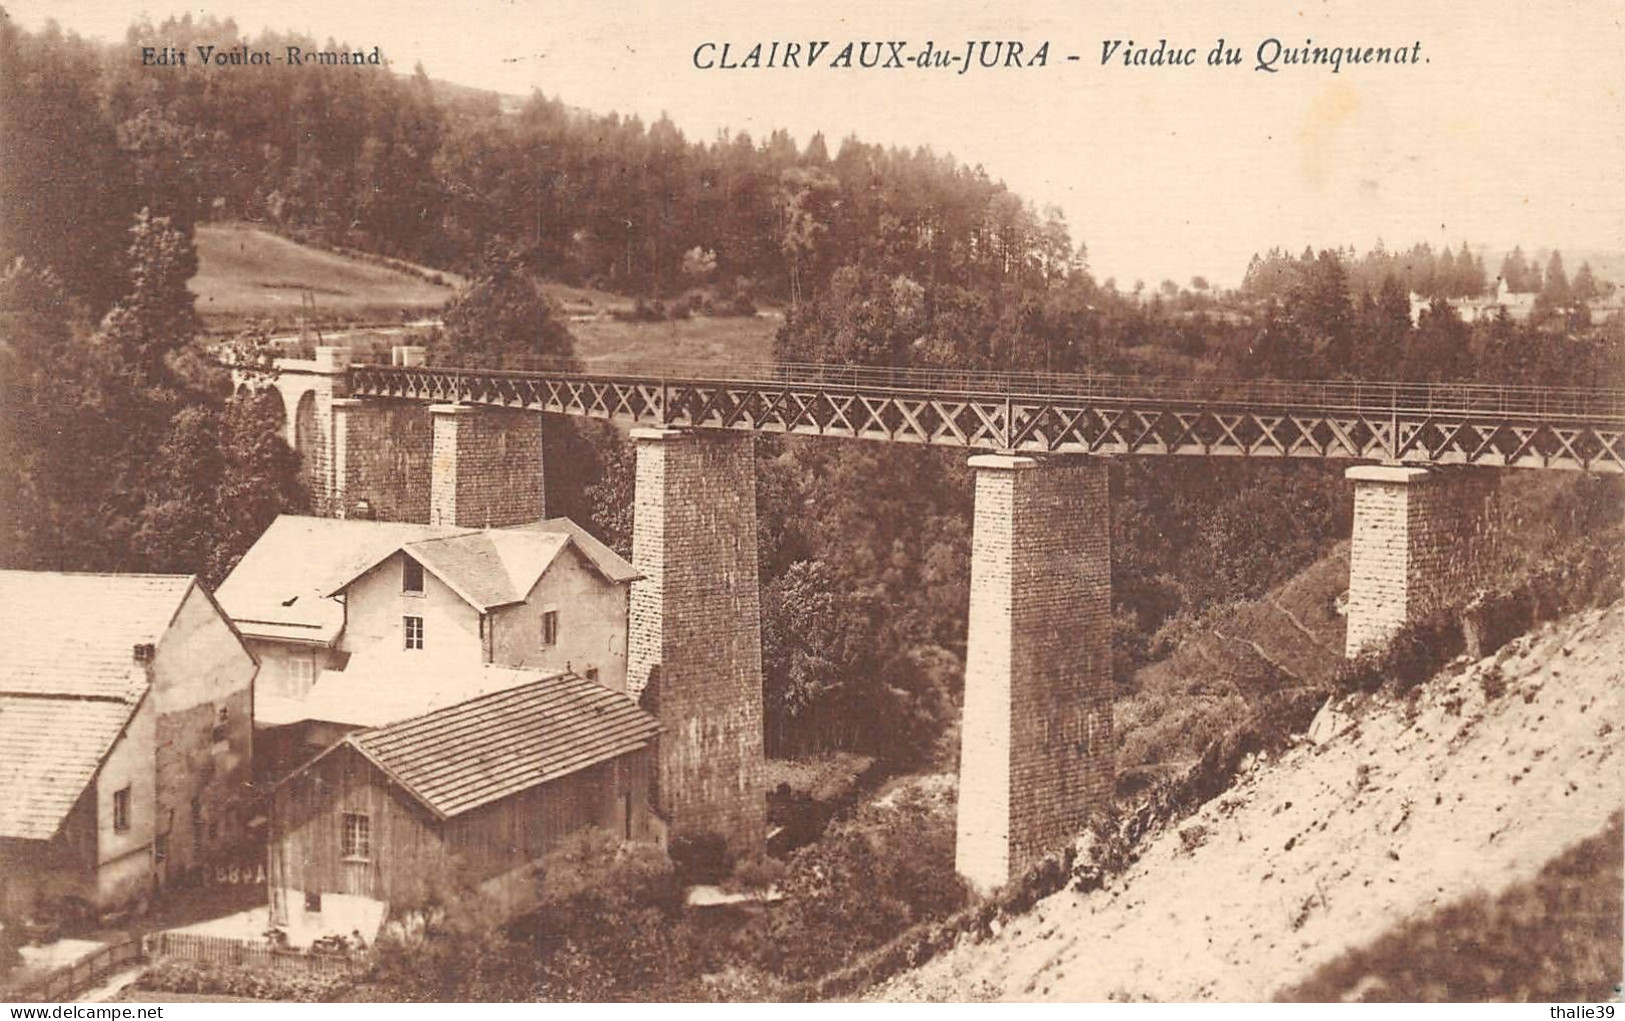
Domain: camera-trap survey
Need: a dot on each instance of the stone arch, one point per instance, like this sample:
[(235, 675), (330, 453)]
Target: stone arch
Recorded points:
[(310, 442)]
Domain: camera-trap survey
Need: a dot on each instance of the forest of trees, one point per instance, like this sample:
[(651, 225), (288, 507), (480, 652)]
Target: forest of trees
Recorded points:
[(406, 167), (123, 451)]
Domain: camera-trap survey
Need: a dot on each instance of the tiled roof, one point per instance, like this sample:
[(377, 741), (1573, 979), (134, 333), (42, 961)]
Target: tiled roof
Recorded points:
[(468, 755), (75, 634), (381, 689), (613, 566), (278, 589), (49, 750), (482, 570)]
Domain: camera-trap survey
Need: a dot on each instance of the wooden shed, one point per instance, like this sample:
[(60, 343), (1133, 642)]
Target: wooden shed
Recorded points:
[(482, 788)]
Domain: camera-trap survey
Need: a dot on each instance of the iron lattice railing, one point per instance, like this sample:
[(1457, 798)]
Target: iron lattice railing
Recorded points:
[(1423, 423)]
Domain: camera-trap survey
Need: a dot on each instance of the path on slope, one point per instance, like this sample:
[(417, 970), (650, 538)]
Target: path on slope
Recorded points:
[(1392, 811)]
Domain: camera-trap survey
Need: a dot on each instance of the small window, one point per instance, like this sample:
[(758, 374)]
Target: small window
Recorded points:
[(357, 836), (411, 575), (413, 626), (313, 902), (550, 627), (221, 725), (121, 810), (592, 674)]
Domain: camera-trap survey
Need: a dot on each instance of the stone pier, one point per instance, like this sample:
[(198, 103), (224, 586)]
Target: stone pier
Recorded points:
[(487, 467), (1036, 747), (1420, 537), (382, 452), (694, 653)]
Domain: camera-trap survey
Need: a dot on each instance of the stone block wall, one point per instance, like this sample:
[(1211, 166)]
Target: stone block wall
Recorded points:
[(694, 651), (486, 467), (1421, 538), (382, 453), (1036, 745)]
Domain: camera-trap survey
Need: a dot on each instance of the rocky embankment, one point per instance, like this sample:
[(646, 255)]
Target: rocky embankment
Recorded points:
[(1391, 809)]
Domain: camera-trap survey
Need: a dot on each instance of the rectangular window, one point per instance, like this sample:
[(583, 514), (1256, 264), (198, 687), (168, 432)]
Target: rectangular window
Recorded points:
[(592, 674), (357, 836), (313, 902), (121, 810), (411, 575), (413, 626), (550, 627)]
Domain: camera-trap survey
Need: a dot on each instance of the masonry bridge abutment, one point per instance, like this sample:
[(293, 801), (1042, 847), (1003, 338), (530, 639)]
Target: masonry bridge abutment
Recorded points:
[(1037, 755)]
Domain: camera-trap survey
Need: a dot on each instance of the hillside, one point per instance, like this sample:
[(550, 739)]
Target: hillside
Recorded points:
[(246, 272), (1393, 825)]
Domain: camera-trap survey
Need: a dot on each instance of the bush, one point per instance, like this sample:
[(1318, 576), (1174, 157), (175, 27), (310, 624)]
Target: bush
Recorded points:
[(1586, 574), (869, 879), (180, 976), (758, 872), (701, 857)]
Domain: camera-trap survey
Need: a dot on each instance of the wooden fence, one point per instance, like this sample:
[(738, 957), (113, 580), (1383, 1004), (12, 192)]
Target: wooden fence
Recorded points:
[(193, 946), (72, 980)]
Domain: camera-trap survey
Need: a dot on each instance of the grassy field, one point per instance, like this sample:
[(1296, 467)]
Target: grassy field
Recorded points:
[(712, 343), (247, 273)]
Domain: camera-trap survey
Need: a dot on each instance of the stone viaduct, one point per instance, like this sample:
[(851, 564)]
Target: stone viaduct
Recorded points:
[(463, 447)]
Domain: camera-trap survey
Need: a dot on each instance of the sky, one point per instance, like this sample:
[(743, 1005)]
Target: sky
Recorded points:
[(1510, 131)]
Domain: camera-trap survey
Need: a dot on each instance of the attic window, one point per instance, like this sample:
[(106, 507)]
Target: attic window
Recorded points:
[(411, 575), (144, 652), (550, 628)]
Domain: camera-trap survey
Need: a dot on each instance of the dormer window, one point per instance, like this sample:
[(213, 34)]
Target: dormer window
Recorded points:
[(411, 576)]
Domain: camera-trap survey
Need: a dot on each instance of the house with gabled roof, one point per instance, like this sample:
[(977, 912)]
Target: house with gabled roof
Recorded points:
[(126, 733), (483, 787), (347, 614)]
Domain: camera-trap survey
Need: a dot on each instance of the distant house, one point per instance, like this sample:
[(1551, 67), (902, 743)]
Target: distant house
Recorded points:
[(487, 785), (347, 615), (126, 729)]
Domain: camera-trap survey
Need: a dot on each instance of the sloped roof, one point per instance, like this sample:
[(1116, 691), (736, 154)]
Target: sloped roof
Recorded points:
[(383, 689), (468, 755), (279, 588), (75, 634), (610, 563), (50, 749), (497, 566), (486, 569), (69, 682)]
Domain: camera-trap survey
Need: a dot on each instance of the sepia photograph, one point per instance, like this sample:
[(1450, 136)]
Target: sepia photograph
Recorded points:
[(537, 501)]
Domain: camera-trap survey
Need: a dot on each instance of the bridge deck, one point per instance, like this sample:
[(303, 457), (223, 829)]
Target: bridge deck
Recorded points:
[(1417, 423)]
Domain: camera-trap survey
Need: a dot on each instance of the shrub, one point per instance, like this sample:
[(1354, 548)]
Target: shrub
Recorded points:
[(758, 872), (870, 878), (181, 976), (701, 857)]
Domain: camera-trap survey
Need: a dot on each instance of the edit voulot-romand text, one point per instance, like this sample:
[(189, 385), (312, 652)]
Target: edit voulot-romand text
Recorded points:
[(243, 56)]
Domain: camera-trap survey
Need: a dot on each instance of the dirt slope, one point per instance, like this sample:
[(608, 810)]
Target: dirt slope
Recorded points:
[(1389, 812)]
